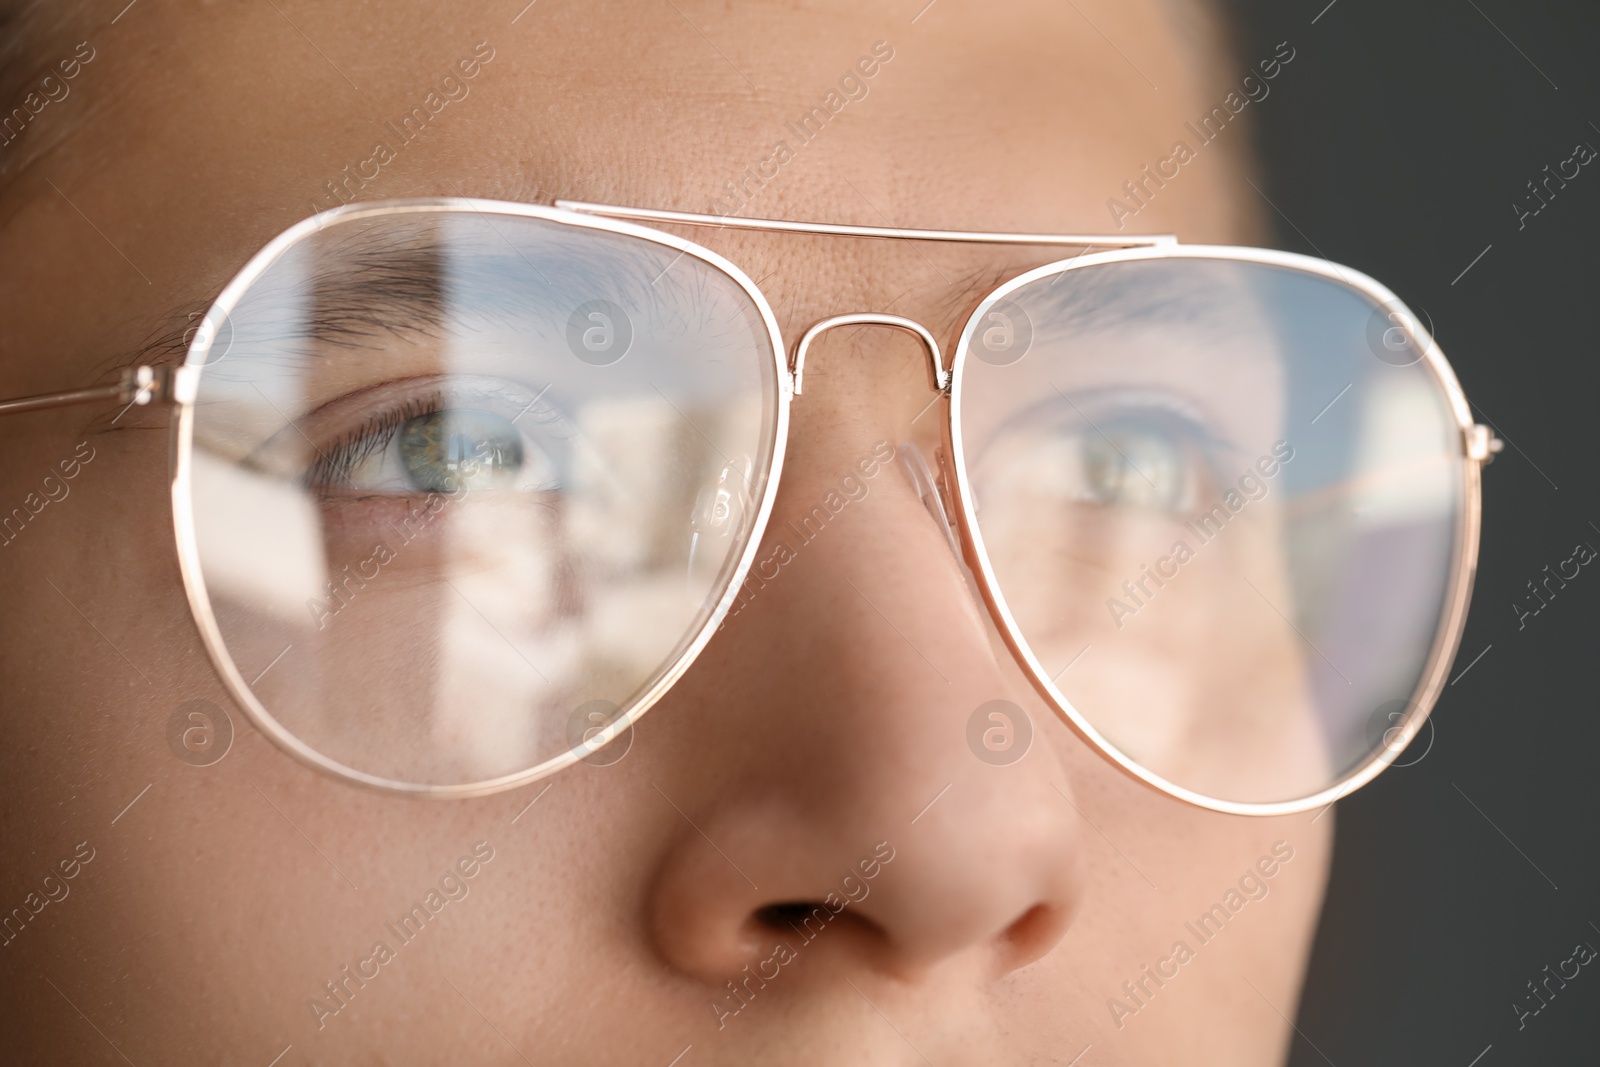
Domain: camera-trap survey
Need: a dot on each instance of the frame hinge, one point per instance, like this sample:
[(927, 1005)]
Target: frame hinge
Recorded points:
[(1482, 444), (166, 384)]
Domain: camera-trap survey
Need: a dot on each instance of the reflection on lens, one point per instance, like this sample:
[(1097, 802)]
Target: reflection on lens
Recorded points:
[(449, 450), (1235, 569), (427, 532)]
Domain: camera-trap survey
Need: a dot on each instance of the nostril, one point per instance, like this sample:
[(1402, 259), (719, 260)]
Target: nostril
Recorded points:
[(1033, 934), (808, 918), (781, 916)]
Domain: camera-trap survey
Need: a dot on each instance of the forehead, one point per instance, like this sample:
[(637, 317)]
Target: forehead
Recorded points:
[(204, 128)]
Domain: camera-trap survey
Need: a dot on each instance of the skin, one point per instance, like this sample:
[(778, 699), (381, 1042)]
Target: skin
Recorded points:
[(811, 729)]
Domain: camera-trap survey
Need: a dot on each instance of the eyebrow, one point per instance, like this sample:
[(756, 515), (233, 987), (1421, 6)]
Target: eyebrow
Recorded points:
[(383, 284), (393, 286), (1172, 293)]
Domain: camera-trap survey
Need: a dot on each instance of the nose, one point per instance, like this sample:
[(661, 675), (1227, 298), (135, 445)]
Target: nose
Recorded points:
[(856, 794)]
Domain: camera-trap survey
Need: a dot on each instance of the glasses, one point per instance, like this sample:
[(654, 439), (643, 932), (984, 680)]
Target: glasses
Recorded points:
[(461, 489)]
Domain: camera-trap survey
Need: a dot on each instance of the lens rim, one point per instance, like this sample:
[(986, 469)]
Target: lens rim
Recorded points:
[(183, 512), (1463, 565)]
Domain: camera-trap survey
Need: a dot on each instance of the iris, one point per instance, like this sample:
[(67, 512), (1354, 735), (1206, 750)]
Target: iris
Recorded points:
[(1134, 463), (449, 451)]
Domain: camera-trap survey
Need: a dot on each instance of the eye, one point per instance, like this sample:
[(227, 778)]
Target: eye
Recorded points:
[(451, 440), (446, 451), (1141, 453), (1134, 462)]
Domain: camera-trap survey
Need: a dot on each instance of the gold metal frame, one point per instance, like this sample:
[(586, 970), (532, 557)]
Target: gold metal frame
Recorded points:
[(179, 386), (183, 514), (1477, 448)]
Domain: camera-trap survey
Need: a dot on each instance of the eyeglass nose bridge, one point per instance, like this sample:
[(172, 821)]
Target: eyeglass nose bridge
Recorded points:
[(938, 377)]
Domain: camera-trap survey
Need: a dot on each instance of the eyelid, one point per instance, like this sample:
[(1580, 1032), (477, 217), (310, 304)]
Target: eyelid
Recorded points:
[(332, 468), (1095, 408), (306, 445), (1212, 451), (1107, 403)]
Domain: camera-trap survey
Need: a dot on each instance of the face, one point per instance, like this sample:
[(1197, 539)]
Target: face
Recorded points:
[(799, 858)]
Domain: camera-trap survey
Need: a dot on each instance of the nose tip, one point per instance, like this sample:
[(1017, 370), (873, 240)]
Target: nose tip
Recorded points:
[(714, 917), (980, 872)]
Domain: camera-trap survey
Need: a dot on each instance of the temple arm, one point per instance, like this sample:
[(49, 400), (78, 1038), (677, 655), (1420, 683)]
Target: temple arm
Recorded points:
[(139, 386)]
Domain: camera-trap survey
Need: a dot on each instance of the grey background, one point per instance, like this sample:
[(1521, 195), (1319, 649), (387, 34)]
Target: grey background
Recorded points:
[(1396, 142)]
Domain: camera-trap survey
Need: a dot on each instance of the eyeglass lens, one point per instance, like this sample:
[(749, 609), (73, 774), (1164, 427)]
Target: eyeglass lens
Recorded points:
[(466, 486), (1220, 500)]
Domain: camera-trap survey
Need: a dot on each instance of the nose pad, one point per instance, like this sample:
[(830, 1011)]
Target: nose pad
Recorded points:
[(927, 485), (719, 511), (932, 483)]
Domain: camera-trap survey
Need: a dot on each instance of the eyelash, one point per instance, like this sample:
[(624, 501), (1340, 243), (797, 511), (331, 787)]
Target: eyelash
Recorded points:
[(1170, 411), (1212, 447), (332, 468)]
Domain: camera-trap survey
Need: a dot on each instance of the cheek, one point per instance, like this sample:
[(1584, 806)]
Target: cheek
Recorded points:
[(1194, 857), (112, 674)]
